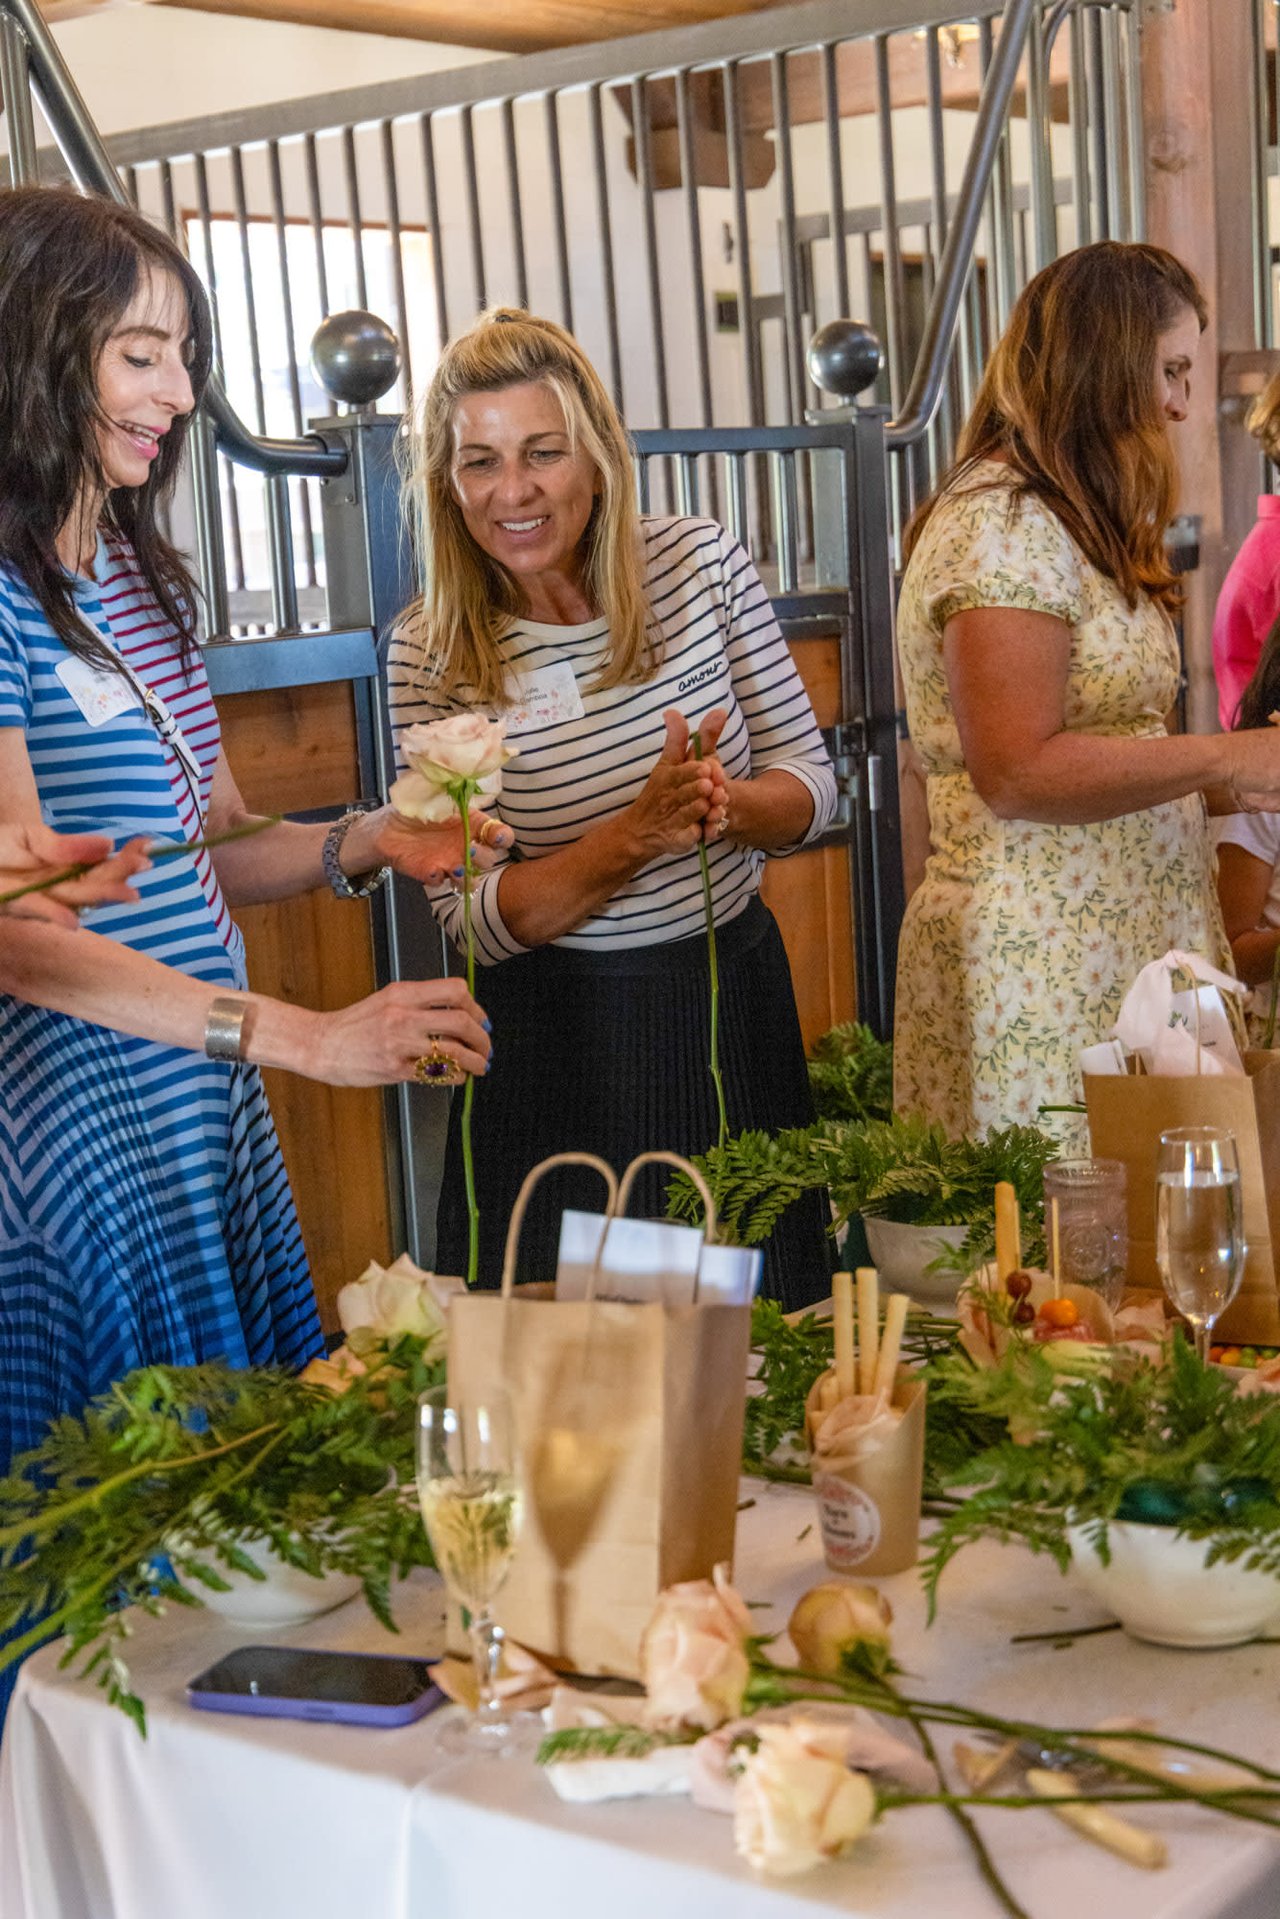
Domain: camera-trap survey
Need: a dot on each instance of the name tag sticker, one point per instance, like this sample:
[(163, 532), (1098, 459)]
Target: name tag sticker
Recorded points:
[(548, 697), (100, 696)]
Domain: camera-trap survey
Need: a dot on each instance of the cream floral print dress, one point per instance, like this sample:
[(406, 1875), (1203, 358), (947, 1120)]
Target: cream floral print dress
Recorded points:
[(1022, 940)]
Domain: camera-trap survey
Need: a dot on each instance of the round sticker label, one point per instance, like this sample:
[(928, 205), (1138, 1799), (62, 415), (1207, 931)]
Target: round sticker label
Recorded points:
[(850, 1521)]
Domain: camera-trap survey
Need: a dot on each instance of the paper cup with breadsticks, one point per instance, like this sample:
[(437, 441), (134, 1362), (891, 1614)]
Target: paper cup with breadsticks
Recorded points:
[(865, 1424)]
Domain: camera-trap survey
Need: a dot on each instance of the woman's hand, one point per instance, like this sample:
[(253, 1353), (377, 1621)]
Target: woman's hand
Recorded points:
[(31, 854), (1253, 759), (380, 1039), (669, 813), (430, 854)]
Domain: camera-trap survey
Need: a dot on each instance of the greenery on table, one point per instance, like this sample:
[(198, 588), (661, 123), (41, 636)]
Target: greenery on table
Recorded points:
[(901, 1168), (851, 1074), (144, 1498), (1127, 1439)]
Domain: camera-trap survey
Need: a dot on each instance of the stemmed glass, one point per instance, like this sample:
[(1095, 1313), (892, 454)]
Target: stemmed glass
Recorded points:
[(1199, 1224), (469, 1491)]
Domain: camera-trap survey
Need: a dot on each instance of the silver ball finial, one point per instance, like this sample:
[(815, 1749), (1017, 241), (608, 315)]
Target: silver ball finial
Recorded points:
[(844, 357), (355, 357)]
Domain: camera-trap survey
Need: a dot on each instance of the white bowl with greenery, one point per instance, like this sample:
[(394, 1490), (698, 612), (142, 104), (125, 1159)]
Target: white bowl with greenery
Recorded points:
[(1157, 1583)]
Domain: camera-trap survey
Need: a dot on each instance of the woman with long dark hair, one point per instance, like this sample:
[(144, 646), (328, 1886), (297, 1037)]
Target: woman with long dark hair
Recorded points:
[(1249, 854), (145, 1215), (1068, 828)]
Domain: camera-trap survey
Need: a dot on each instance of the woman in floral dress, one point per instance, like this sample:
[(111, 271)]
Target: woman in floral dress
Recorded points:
[(1068, 828)]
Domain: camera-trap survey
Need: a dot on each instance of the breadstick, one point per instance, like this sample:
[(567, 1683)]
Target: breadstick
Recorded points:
[(846, 1351), (1055, 1249), (1008, 1231), (828, 1392), (1097, 1823), (868, 1327), (895, 1318)]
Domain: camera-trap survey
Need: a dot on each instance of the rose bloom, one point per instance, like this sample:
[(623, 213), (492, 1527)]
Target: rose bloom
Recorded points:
[(796, 1802), (833, 1619), (394, 1300), (693, 1656), (464, 747)]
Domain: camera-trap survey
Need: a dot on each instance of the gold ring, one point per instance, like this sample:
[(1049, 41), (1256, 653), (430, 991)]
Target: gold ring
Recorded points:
[(435, 1067), (489, 830)]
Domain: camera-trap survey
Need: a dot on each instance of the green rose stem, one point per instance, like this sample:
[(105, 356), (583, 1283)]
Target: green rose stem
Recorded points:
[(78, 871), (462, 792), (713, 965)]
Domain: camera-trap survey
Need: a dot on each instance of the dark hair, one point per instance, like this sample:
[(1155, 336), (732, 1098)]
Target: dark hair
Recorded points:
[(70, 264), (1068, 402), (1261, 698)]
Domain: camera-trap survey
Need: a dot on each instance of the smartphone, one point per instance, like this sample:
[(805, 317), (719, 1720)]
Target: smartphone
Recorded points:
[(286, 1682)]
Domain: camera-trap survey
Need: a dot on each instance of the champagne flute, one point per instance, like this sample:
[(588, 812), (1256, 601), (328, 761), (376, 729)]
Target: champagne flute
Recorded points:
[(1199, 1224), (471, 1502)]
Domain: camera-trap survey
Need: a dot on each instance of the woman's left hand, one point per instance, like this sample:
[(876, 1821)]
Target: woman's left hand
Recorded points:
[(33, 854), (431, 854)]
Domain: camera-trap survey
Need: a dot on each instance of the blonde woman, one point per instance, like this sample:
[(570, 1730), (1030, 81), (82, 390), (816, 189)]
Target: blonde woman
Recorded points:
[(1038, 653), (1249, 602), (607, 642)]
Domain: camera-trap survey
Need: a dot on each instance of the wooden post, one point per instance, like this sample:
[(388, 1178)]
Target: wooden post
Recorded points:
[(1196, 62)]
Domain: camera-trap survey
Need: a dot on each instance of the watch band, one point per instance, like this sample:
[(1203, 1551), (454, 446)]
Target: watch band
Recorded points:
[(224, 1034), (339, 884)]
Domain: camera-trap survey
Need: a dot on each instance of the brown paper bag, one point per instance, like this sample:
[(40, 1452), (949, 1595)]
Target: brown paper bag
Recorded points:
[(870, 1508), (1128, 1113), (629, 1419)]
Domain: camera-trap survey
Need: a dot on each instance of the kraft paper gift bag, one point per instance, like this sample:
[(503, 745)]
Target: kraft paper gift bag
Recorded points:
[(629, 1420), (1128, 1113)]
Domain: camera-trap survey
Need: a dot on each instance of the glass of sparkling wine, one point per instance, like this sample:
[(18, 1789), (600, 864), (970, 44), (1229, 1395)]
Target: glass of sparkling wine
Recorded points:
[(1199, 1224), (471, 1500)]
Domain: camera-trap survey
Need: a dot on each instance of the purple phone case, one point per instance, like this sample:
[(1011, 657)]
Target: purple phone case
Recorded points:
[(332, 1711)]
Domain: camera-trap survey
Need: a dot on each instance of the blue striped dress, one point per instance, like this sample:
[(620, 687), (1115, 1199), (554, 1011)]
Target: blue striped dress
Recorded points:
[(145, 1212)]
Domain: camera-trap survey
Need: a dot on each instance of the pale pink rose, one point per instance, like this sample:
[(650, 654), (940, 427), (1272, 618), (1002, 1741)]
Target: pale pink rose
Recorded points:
[(796, 1802), (416, 798), (866, 1747), (835, 1618), (391, 1301), (693, 1656), (464, 747)]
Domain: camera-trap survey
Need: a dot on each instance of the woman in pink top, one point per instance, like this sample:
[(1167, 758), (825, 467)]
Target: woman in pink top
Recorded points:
[(1249, 602)]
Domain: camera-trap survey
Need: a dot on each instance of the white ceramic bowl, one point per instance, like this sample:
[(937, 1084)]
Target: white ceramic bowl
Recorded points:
[(285, 1597), (901, 1252), (1160, 1589)]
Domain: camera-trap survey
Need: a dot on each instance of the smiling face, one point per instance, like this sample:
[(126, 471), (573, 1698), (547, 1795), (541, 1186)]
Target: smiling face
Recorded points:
[(143, 380), (1176, 350), (526, 494)]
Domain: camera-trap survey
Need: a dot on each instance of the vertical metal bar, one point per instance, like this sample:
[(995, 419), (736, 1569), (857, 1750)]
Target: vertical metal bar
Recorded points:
[(514, 214), (686, 484), (276, 181), (999, 206), (642, 483), (317, 220), (129, 175), (1078, 109), (15, 88), (168, 201), (433, 224), (474, 229), (737, 497), (1262, 314), (1043, 217), (352, 175), (246, 274), (697, 285), (1133, 109), (644, 181), (211, 561), (391, 188), (894, 297), (599, 161), (937, 137), (782, 476), (1110, 45), (284, 588), (742, 244), (231, 496), (795, 345), (835, 176), (1101, 160), (559, 223)]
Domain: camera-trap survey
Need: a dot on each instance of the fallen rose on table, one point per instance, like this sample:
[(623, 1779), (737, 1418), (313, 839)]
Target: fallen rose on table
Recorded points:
[(719, 1721)]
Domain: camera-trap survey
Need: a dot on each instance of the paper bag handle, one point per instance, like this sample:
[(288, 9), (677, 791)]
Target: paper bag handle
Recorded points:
[(624, 1196), (531, 1179)]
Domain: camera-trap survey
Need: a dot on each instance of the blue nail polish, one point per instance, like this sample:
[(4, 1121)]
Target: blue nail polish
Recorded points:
[(459, 872), (487, 1024)]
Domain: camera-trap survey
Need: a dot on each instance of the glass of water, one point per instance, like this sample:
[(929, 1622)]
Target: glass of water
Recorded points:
[(1199, 1224)]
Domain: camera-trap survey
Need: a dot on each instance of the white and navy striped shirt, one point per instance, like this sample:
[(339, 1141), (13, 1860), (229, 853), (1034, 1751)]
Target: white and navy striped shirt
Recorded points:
[(720, 648)]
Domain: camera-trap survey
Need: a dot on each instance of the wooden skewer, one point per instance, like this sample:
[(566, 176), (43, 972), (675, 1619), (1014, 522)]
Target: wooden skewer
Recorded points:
[(1055, 1257), (868, 1327), (1008, 1231), (895, 1318), (846, 1349)]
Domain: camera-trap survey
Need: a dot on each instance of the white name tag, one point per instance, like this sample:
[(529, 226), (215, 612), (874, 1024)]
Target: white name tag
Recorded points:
[(548, 697), (99, 695)]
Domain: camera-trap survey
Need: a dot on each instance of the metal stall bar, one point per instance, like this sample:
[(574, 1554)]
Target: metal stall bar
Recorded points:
[(514, 217), (232, 496), (835, 174), (286, 309), (391, 188), (693, 221), (796, 383), (1117, 172), (15, 91), (649, 228), (604, 230), (431, 190), (351, 176), (317, 218), (559, 224), (475, 229)]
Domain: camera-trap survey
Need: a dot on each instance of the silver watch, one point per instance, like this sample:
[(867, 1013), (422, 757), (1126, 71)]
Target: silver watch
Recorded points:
[(339, 884)]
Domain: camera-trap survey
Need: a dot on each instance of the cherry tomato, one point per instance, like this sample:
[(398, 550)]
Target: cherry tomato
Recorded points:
[(1060, 1313)]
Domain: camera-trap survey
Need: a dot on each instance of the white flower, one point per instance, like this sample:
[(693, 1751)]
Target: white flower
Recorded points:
[(463, 747), (693, 1656), (417, 798), (398, 1299), (796, 1802), (834, 1619)]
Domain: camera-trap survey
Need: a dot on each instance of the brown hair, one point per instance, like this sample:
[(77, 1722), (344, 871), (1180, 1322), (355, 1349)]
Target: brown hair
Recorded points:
[(469, 599), (70, 264), (1068, 402)]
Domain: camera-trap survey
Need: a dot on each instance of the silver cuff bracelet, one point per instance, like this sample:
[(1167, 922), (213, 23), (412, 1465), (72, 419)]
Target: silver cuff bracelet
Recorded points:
[(224, 1034)]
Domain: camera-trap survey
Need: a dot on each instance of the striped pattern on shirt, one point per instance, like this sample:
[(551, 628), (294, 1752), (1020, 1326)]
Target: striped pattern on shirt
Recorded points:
[(721, 647)]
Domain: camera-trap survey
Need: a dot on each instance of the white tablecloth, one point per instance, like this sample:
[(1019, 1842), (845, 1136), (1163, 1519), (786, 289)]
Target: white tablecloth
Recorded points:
[(215, 1817)]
